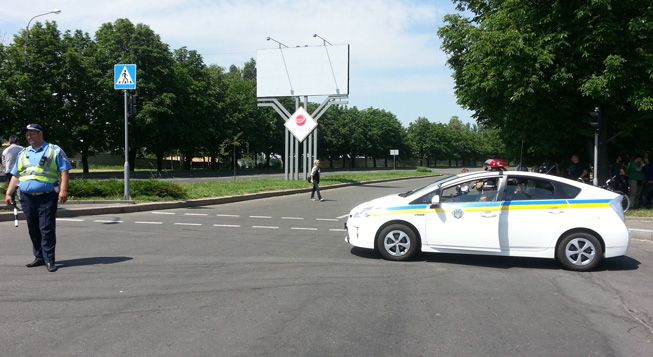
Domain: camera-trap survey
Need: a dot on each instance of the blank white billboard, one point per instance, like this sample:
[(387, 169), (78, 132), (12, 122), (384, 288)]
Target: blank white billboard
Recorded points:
[(302, 71)]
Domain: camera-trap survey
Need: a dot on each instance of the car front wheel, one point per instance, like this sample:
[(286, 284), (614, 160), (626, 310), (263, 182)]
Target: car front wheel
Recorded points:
[(580, 251), (397, 242)]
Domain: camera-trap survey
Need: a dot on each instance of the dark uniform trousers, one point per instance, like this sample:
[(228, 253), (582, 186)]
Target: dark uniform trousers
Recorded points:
[(41, 215)]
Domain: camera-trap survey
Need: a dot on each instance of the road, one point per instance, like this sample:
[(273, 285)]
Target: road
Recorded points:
[(274, 277)]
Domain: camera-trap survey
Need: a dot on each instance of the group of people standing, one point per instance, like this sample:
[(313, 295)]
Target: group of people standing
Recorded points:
[(634, 176)]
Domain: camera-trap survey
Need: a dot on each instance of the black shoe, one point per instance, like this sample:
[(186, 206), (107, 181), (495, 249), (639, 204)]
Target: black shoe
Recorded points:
[(51, 267), (36, 263)]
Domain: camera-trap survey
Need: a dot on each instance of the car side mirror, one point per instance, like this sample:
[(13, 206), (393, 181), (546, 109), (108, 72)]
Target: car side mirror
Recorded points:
[(435, 201)]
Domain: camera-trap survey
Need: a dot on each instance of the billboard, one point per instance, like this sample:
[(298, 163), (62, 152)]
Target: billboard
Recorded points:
[(302, 71)]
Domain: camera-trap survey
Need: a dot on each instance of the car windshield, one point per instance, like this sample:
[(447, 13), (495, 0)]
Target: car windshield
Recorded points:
[(429, 186)]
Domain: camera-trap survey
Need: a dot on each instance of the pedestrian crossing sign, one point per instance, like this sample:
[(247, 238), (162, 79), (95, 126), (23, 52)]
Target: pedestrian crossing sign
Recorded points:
[(124, 76)]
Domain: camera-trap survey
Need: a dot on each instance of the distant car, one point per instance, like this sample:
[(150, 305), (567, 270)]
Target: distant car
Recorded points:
[(508, 213), (495, 165)]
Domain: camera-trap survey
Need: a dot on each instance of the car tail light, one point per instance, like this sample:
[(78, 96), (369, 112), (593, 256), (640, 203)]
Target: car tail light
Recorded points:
[(616, 206)]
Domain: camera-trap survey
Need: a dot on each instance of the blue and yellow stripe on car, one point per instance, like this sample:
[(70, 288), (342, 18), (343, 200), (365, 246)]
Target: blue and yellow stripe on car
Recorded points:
[(495, 206)]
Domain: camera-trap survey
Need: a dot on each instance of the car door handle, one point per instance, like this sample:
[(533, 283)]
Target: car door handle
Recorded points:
[(556, 210), (488, 214)]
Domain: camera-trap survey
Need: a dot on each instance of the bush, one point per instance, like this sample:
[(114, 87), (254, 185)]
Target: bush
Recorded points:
[(423, 169), (114, 189)]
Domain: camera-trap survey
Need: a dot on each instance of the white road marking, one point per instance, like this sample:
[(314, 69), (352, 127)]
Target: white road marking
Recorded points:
[(304, 229), (106, 221), (640, 230), (266, 227), (343, 216), (337, 230), (70, 219), (327, 219), (157, 212), (145, 222), (260, 217), (292, 217), (196, 214), (227, 215), (227, 225), (188, 224)]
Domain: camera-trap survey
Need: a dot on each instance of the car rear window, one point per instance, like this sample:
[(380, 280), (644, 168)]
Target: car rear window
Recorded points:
[(567, 191)]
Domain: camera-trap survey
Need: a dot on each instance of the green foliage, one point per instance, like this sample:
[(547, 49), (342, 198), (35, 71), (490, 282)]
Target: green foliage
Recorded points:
[(534, 71), (423, 169), (112, 189)]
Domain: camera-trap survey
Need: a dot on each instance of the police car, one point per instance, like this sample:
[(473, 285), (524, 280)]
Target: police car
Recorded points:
[(508, 213)]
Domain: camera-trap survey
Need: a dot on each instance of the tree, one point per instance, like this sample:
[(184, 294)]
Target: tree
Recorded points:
[(534, 70)]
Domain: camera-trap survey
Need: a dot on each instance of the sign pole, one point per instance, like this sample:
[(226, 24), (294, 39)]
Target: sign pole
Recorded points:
[(127, 197)]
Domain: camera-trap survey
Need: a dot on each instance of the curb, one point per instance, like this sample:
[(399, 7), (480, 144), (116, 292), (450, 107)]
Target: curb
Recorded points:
[(65, 212)]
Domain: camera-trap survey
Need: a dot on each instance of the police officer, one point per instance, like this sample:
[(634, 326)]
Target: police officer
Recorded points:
[(37, 172)]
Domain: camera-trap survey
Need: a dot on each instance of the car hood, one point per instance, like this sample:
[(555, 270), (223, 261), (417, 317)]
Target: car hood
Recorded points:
[(385, 201)]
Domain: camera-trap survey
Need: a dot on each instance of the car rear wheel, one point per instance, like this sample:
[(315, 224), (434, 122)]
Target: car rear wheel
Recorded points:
[(580, 251), (397, 242)]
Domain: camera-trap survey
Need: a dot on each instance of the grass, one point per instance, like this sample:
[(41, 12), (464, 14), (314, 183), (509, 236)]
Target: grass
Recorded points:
[(239, 187)]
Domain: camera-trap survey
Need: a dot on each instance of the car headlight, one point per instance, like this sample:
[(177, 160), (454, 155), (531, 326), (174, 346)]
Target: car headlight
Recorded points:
[(362, 213)]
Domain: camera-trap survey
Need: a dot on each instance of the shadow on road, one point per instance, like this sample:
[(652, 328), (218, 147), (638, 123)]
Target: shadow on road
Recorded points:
[(92, 261), (498, 262)]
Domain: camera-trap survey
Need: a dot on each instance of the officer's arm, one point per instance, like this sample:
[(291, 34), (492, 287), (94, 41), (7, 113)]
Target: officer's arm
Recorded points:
[(10, 190), (63, 187)]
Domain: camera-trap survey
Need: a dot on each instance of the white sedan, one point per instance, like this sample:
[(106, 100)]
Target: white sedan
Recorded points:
[(496, 213)]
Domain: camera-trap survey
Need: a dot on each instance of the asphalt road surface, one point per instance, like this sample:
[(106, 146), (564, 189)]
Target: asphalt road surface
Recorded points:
[(274, 277)]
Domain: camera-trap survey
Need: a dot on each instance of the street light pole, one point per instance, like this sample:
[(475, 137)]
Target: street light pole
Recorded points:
[(55, 11)]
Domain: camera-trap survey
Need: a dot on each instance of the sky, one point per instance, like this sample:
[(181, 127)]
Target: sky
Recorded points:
[(396, 63)]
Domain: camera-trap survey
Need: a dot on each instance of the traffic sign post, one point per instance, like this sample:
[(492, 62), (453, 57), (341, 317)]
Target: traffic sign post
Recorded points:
[(124, 77), (394, 153)]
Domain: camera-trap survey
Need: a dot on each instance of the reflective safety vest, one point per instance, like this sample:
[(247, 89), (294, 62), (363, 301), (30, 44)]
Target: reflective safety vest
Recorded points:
[(45, 171)]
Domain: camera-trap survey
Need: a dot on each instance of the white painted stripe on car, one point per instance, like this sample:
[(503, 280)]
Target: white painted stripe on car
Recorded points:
[(196, 214), (157, 212), (266, 227), (337, 230), (343, 216), (146, 222), (292, 217), (227, 225), (260, 217), (327, 219), (188, 224), (227, 215), (106, 221), (304, 228), (70, 219)]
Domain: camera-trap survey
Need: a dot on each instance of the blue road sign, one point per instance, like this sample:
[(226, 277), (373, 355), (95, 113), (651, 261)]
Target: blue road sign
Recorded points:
[(124, 76)]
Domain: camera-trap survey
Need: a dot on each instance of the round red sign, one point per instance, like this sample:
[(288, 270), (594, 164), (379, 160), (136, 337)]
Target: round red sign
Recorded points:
[(300, 120)]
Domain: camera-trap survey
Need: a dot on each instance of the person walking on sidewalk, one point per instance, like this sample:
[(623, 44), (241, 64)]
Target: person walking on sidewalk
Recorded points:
[(38, 171), (315, 179)]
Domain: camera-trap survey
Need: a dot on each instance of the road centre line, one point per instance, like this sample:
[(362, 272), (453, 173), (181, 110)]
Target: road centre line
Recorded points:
[(266, 217), (343, 216), (266, 227), (187, 224), (227, 225), (227, 215), (196, 214), (337, 230), (292, 217), (640, 230), (106, 221), (157, 212), (145, 222), (327, 219), (70, 219), (303, 229)]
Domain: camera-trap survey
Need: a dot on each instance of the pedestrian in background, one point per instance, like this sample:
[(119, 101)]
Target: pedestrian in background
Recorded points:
[(577, 171), (38, 171), (647, 191), (9, 156), (315, 179), (635, 179)]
